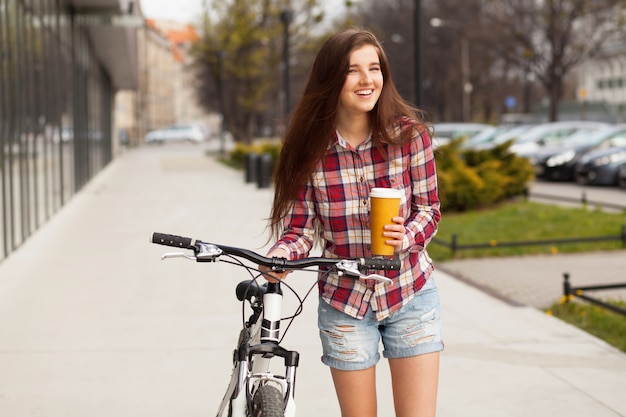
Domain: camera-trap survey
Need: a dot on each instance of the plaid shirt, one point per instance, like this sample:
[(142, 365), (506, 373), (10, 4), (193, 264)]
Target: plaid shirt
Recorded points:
[(337, 197)]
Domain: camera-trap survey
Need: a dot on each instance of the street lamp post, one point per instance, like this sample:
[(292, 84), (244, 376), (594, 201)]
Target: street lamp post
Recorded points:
[(417, 28), (220, 86), (466, 88), (286, 16)]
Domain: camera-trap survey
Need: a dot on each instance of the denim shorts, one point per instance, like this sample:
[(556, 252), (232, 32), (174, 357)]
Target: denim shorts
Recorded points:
[(351, 344)]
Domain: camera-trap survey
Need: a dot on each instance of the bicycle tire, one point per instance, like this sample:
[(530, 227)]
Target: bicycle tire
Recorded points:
[(268, 402)]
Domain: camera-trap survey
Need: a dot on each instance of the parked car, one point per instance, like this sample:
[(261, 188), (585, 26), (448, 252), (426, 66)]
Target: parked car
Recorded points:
[(551, 134), (489, 138), (177, 133), (445, 132), (557, 163), (600, 167), (621, 176)]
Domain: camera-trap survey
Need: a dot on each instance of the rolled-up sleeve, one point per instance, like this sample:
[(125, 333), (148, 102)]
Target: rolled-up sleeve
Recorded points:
[(298, 226)]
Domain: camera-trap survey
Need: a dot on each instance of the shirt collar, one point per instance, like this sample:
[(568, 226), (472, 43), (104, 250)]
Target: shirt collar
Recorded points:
[(339, 140)]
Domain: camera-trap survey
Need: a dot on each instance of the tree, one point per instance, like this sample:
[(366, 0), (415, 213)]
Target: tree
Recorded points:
[(237, 62), (548, 38), (516, 47)]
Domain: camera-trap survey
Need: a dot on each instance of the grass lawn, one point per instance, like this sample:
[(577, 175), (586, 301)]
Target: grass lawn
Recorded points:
[(604, 324), (526, 221)]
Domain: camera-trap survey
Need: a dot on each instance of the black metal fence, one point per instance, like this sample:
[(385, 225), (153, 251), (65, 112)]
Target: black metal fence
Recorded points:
[(455, 246), (569, 291), (55, 114)]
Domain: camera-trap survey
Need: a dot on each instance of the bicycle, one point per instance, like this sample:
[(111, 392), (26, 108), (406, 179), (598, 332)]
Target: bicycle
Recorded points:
[(253, 390)]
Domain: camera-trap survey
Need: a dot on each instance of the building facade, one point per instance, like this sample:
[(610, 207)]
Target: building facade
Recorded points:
[(165, 94), (61, 64)]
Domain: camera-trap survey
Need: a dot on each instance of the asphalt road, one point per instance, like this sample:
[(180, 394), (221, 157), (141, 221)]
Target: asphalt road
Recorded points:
[(599, 196)]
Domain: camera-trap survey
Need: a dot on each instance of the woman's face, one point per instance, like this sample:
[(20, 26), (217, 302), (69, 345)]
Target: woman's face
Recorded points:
[(364, 82)]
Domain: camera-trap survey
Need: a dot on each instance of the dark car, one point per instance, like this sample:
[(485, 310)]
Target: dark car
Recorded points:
[(600, 167), (557, 163), (621, 176)]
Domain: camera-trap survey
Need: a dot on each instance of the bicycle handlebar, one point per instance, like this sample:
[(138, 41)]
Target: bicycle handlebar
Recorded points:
[(204, 252)]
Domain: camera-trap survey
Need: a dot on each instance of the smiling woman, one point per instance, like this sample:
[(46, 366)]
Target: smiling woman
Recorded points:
[(351, 133)]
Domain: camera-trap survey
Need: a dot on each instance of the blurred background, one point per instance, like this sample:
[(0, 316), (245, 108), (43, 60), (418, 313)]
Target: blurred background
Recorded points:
[(82, 80)]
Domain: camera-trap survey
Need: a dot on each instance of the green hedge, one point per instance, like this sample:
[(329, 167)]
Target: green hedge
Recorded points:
[(472, 179), (238, 155)]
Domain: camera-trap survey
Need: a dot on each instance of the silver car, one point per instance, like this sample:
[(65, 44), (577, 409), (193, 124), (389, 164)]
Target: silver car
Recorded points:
[(177, 133)]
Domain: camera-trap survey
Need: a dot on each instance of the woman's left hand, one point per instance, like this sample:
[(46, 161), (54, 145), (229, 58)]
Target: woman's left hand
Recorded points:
[(395, 233)]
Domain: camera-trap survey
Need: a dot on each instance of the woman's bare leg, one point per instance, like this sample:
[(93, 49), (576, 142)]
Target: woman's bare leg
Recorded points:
[(356, 392), (415, 380)]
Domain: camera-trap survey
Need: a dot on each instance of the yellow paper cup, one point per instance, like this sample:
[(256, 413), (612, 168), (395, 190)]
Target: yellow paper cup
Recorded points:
[(384, 205)]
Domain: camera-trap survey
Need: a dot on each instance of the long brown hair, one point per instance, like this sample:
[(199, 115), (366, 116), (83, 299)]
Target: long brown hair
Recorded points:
[(312, 124)]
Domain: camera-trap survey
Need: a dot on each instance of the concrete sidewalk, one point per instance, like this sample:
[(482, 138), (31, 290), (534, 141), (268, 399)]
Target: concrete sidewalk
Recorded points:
[(93, 323)]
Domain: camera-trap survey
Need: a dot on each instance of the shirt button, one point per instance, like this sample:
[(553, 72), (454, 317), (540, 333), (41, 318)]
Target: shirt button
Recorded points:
[(361, 179), (365, 202)]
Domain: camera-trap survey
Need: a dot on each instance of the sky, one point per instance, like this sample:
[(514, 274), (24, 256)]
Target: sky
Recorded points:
[(183, 11), (190, 11)]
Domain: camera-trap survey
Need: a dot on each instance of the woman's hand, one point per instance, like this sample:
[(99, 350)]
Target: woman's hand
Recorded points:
[(273, 276), (395, 233)]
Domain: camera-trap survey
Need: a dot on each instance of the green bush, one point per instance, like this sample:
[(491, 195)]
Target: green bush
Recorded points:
[(472, 179), (238, 155)]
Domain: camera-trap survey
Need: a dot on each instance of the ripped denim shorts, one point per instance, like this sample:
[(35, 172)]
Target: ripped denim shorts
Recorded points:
[(351, 344)]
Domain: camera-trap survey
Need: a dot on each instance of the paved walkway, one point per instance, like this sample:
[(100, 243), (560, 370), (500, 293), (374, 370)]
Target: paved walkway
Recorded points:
[(537, 281), (93, 323)]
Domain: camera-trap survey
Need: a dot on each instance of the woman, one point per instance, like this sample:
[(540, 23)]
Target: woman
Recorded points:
[(350, 132)]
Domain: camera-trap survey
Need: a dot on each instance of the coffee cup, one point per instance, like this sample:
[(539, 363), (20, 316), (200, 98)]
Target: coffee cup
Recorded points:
[(384, 206)]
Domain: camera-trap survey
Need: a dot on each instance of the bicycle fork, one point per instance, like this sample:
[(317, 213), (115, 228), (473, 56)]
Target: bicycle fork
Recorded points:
[(260, 355)]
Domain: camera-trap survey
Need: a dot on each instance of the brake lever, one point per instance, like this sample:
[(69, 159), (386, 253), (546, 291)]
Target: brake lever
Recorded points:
[(177, 255), (377, 278), (350, 268)]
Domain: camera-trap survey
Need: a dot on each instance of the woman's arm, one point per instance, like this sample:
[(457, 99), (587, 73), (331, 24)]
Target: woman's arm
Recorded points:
[(425, 212), (298, 227)]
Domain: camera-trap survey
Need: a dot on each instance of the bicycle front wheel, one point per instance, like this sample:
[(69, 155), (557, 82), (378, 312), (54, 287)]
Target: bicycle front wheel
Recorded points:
[(268, 402)]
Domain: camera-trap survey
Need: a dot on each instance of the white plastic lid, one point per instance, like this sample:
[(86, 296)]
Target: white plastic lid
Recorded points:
[(386, 193)]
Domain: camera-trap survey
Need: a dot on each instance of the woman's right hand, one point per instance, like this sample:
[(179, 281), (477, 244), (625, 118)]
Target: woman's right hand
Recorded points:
[(273, 276)]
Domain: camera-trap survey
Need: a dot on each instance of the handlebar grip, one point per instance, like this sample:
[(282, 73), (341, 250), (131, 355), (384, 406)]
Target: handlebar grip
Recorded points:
[(381, 264), (172, 240)]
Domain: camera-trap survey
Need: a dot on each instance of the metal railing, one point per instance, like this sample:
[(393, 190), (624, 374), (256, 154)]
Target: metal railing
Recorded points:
[(455, 246), (55, 114), (569, 291)]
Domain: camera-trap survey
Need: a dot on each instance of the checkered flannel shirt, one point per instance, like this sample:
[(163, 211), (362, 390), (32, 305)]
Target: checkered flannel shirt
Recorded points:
[(338, 198)]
